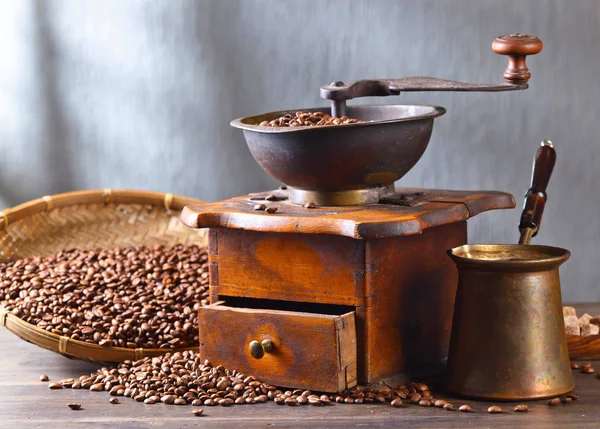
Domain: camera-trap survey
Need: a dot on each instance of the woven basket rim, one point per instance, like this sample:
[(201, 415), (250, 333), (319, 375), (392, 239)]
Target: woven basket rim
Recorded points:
[(64, 345), (96, 196)]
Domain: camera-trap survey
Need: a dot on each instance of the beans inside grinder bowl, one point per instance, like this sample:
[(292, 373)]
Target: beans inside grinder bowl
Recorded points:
[(308, 119)]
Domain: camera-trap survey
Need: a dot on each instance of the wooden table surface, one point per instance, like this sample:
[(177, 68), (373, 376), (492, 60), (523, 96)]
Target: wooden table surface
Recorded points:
[(26, 402)]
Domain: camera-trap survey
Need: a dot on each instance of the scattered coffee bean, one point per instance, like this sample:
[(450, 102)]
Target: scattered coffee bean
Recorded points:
[(271, 209), (554, 401), (198, 412), (55, 385), (465, 408), (325, 399), (74, 406), (310, 205), (414, 398), (588, 370), (314, 400), (566, 400), (574, 396), (425, 403), (98, 387), (258, 207), (308, 119), (134, 297), (114, 400), (440, 403), (44, 377), (575, 365), (68, 383), (449, 407), (396, 403), (521, 408), (494, 409)]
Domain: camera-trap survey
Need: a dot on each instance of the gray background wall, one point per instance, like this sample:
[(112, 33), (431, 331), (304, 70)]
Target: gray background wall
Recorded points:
[(139, 94)]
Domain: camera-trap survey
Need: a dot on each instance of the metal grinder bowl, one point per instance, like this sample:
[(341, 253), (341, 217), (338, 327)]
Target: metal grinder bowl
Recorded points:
[(342, 162)]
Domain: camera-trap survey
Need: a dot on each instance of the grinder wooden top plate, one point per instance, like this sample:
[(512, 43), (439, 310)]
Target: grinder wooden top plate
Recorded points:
[(408, 213)]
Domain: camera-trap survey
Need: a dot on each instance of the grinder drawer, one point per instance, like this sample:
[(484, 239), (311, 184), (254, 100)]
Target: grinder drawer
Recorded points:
[(306, 350)]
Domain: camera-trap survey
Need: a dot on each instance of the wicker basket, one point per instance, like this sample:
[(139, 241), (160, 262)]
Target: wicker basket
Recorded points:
[(90, 219)]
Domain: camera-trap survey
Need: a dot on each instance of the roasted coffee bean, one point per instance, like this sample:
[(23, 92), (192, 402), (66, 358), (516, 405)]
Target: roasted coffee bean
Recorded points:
[(325, 399), (198, 412), (588, 370), (448, 407), (425, 403), (74, 406), (68, 383), (310, 205), (465, 408), (55, 385), (314, 400), (151, 401), (414, 398), (521, 408), (308, 119), (574, 396), (396, 402), (98, 387), (167, 399), (114, 400), (134, 297), (575, 365), (44, 377), (566, 400), (440, 403), (494, 409), (554, 401), (271, 209)]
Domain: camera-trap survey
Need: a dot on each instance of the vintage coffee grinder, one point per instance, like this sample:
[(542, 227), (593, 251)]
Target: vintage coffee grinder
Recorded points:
[(348, 281)]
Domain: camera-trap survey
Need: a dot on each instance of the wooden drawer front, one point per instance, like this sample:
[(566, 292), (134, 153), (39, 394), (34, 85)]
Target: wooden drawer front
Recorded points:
[(292, 267), (312, 351)]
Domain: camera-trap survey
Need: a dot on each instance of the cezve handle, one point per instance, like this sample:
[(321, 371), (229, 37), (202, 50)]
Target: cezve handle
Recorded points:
[(535, 199)]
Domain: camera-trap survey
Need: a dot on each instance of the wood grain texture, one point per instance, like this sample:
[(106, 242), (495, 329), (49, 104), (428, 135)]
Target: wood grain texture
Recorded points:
[(584, 347), (360, 222), (410, 288), (27, 403), (312, 351), (294, 267)]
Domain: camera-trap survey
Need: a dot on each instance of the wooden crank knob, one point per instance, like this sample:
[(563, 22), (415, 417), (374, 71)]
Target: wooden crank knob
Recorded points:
[(258, 349), (517, 47)]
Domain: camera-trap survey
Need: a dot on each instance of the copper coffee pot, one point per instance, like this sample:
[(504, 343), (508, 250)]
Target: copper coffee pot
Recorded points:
[(508, 334)]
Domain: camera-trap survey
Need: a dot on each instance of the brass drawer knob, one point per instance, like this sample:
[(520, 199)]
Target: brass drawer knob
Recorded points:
[(258, 350)]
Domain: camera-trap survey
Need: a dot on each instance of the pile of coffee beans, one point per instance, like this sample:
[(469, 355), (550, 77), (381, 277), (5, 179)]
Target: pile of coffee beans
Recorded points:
[(134, 297), (182, 378), (308, 119), (179, 378)]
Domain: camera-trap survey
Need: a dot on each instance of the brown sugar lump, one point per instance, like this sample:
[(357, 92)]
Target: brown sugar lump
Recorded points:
[(569, 311), (572, 325), (590, 329)]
